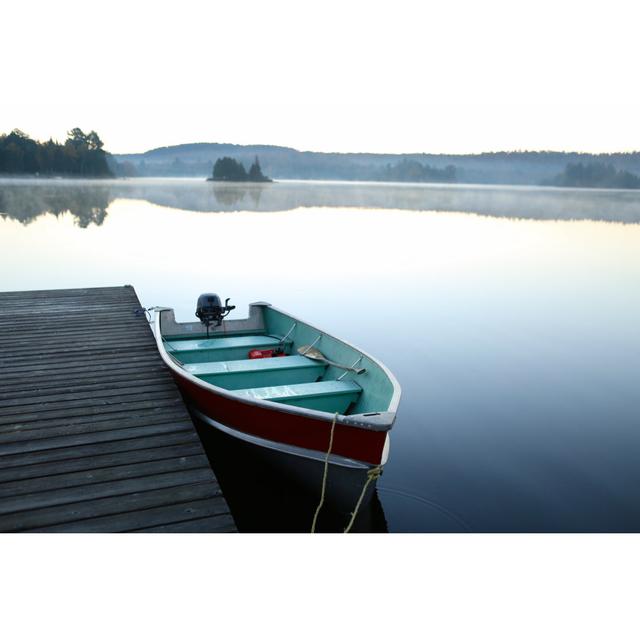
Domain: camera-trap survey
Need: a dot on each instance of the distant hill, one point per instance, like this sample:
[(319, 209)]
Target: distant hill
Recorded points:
[(517, 167)]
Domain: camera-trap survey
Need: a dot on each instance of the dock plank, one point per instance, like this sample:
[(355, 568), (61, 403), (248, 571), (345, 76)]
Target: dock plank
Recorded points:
[(36, 463), (94, 435), (172, 515), (58, 479), (128, 503), (82, 435), (216, 523)]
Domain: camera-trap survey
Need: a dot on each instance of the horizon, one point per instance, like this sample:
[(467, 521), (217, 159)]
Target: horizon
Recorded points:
[(334, 152), (155, 146), (380, 153)]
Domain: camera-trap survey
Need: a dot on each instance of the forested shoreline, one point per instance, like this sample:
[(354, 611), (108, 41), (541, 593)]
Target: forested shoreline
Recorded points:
[(81, 154), (595, 175), (282, 163)]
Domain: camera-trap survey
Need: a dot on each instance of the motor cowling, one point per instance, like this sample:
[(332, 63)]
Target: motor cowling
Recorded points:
[(211, 311)]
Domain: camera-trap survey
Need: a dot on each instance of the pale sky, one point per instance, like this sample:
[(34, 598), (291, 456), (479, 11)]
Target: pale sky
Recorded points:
[(395, 76)]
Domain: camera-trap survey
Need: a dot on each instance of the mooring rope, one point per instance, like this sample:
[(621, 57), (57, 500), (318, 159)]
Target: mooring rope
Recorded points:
[(146, 311), (373, 474), (324, 475)]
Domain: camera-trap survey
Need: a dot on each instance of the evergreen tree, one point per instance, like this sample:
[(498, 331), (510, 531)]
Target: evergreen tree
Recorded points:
[(81, 154), (255, 172), (229, 169)]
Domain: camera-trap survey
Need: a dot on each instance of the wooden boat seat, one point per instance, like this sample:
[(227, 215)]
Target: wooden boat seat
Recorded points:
[(326, 395), (245, 374), (218, 349)]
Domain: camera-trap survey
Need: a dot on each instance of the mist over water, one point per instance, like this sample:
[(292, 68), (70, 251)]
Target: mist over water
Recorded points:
[(509, 315), (87, 200)]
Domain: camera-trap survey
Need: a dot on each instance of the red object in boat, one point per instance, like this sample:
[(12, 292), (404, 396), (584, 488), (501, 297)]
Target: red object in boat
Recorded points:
[(255, 354)]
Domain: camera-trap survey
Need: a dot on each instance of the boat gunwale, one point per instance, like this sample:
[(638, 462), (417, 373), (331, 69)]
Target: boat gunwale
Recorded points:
[(379, 421), (281, 447)]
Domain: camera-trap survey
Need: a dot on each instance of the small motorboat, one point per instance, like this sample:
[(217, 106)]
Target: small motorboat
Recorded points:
[(280, 383)]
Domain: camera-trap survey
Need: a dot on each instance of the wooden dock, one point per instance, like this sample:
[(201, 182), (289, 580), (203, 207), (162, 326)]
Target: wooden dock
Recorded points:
[(94, 435)]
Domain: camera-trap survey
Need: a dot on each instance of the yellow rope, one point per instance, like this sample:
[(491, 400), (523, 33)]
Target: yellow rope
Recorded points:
[(324, 476), (372, 475)]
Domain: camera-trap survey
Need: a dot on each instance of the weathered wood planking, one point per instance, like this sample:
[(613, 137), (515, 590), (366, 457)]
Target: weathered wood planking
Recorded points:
[(94, 436)]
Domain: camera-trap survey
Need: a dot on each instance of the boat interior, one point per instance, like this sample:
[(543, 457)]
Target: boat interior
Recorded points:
[(262, 362)]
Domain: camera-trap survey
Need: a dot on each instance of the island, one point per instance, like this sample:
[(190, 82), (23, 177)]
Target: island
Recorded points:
[(230, 170)]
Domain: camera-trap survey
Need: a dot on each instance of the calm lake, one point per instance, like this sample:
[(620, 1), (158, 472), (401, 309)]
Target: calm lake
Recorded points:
[(510, 316)]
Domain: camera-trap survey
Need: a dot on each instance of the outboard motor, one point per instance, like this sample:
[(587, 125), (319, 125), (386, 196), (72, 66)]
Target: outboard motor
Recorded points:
[(209, 310)]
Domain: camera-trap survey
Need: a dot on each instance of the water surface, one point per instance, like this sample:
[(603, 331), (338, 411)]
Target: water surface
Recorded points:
[(509, 315)]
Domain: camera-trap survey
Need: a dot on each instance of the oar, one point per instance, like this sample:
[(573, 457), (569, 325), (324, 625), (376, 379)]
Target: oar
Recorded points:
[(311, 352)]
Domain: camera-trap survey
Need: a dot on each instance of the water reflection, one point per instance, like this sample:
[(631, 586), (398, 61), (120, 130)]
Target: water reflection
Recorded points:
[(238, 197), (88, 201), (262, 500), (26, 200)]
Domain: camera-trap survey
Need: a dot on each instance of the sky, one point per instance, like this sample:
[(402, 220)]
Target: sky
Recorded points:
[(393, 77)]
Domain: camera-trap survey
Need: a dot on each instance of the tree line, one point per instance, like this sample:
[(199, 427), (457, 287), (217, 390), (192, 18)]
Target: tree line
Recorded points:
[(517, 167), (414, 171), (595, 174), (81, 154)]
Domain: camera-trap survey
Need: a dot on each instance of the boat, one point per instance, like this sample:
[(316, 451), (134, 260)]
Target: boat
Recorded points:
[(300, 395)]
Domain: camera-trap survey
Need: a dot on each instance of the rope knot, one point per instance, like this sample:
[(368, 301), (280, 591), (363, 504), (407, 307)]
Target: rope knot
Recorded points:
[(374, 473)]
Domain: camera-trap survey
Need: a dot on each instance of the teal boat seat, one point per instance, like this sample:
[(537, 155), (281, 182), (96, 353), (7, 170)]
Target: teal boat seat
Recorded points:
[(218, 349), (326, 395), (245, 374)]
